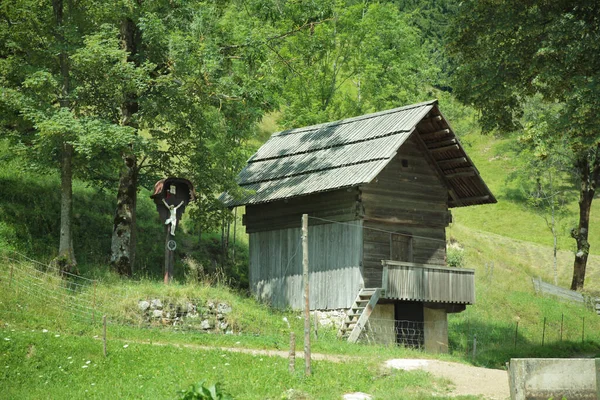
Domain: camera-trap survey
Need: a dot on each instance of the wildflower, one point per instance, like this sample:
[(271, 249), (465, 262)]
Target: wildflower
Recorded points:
[(7, 338), (125, 346), (56, 335), (44, 330), (84, 366), (88, 361)]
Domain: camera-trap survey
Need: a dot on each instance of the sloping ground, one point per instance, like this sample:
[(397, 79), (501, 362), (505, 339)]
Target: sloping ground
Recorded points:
[(532, 259)]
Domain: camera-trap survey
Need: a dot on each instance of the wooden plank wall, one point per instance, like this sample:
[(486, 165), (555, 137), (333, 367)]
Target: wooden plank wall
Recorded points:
[(334, 265), (338, 205), (409, 199), (407, 281)]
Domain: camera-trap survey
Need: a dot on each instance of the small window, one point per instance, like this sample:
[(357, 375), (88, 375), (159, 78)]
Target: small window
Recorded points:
[(404, 162)]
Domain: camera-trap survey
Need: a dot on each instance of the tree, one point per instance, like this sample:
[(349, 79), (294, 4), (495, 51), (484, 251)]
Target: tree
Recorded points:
[(61, 72), (508, 51), (209, 88), (354, 57)]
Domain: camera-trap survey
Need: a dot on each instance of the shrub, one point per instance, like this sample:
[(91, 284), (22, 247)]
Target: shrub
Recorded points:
[(201, 392), (455, 257)]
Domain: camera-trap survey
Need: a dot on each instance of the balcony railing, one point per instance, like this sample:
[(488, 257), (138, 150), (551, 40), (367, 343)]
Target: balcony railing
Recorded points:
[(428, 283)]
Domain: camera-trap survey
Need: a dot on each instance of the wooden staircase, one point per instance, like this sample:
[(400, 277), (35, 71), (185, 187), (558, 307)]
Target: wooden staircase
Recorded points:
[(359, 314)]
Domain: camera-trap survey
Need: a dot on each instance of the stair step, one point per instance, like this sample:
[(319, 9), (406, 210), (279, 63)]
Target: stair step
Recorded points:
[(359, 313)]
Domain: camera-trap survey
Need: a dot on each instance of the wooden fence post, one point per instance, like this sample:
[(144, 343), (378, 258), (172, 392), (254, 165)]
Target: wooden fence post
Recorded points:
[(94, 305), (292, 356), (544, 332), (516, 333), (104, 334), (562, 321), (305, 278), (316, 325), (12, 267)]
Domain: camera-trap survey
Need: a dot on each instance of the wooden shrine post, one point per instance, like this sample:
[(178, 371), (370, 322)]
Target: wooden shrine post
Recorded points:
[(171, 196)]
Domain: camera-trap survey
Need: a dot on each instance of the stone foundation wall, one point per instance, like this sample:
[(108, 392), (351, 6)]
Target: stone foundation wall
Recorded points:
[(206, 316)]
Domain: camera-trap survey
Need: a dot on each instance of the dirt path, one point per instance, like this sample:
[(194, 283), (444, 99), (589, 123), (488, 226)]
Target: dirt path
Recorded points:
[(468, 380), (492, 384)]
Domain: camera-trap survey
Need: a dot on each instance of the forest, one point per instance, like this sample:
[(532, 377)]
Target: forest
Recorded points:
[(100, 99)]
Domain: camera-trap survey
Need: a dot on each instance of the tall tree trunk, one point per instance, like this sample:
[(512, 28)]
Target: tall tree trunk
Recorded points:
[(124, 232), (66, 254), (123, 244), (589, 170)]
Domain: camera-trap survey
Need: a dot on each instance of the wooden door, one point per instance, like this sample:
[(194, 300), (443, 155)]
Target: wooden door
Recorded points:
[(401, 247)]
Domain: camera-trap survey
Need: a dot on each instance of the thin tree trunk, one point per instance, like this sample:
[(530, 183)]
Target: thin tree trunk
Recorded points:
[(123, 244), (589, 169), (66, 254)]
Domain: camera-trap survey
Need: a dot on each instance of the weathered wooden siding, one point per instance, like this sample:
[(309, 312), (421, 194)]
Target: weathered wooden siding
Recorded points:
[(334, 264), (409, 281), (338, 205), (407, 197)]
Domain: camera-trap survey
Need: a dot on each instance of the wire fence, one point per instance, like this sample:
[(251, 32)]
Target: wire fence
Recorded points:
[(79, 298), (472, 337)]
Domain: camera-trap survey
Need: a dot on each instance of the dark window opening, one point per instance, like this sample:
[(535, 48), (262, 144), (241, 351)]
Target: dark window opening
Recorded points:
[(404, 162), (409, 324)]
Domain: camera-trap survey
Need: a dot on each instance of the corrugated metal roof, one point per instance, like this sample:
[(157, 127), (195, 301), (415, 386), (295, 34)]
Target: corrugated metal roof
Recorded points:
[(352, 152), (327, 156)]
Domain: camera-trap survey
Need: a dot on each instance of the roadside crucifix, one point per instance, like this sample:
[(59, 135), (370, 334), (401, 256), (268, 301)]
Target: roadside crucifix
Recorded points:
[(171, 196)]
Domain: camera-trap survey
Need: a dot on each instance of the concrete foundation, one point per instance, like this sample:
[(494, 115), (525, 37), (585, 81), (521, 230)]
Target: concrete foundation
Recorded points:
[(382, 325), (544, 378), (436, 330)]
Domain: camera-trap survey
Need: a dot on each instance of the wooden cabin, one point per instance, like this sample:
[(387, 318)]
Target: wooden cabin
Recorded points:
[(377, 189)]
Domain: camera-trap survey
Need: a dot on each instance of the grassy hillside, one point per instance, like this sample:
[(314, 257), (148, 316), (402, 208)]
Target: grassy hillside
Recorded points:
[(510, 217), (507, 244)]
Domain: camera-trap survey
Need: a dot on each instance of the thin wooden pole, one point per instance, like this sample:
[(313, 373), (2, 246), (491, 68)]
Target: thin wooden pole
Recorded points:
[(316, 325), (94, 305), (223, 239), (227, 237), (544, 332), (169, 256), (307, 370), (104, 334), (582, 329), (234, 232), (292, 356), (516, 333), (562, 321), (12, 267)]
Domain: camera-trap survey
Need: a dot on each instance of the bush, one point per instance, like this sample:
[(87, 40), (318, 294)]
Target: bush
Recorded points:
[(455, 257), (201, 392)]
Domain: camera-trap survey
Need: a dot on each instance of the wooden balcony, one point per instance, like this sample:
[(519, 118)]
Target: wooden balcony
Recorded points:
[(427, 283)]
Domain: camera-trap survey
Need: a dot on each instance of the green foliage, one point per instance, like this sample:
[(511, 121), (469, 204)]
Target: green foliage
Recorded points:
[(510, 54), (455, 257), (36, 114), (358, 57), (199, 391)]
